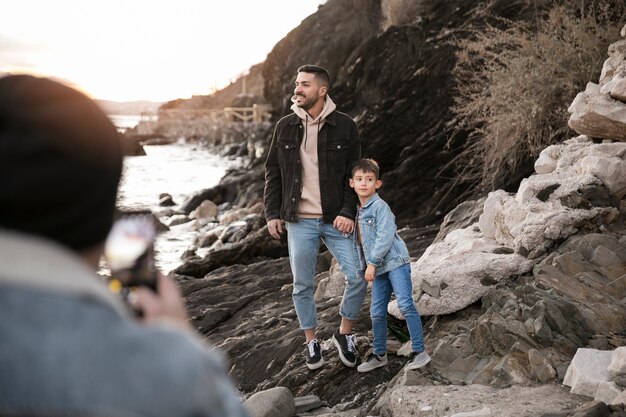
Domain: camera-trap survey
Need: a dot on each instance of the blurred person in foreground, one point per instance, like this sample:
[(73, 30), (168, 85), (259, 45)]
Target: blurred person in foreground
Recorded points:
[(68, 345)]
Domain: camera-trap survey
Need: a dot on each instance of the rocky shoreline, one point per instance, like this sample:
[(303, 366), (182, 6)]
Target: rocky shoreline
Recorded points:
[(510, 287)]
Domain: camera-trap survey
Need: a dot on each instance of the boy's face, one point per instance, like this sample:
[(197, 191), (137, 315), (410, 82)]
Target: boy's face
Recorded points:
[(365, 184)]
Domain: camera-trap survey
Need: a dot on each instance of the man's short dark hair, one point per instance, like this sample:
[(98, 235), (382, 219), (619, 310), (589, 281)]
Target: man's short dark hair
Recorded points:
[(320, 73), (366, 165)]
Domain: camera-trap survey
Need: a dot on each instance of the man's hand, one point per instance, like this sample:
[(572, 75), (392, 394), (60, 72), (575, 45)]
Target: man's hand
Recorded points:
[(370, 273), (343, 224), (275, 227), (164, 305)]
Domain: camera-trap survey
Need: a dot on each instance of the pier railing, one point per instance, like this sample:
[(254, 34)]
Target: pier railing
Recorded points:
[(256, 114)]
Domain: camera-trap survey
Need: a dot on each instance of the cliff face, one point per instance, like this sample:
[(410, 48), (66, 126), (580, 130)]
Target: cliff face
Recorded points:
[(397, 84), (512, 286)]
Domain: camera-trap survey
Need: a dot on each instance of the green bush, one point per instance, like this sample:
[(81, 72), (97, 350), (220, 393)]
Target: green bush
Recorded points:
[(516, 82)]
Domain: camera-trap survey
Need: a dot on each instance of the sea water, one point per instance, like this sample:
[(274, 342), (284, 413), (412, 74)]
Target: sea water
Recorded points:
[(179, 169)]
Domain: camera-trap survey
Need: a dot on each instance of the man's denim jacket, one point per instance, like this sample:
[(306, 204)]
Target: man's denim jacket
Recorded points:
[(382, 247)]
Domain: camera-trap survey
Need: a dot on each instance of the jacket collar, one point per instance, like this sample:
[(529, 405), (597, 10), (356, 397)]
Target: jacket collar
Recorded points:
[(371, 200), (32, 262)]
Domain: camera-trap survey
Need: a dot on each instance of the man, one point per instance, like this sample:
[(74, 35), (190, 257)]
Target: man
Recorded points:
[(307, 186), (69, 346)]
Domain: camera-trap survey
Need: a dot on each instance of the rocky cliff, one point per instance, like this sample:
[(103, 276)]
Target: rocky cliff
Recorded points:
[(511, 284)]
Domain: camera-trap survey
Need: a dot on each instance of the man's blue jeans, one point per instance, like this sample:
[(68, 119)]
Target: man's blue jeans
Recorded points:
[(397, 280), (303, 239)]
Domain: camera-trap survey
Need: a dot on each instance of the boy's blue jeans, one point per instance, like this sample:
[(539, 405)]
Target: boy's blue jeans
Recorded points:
[(397, 280), (303, 240)]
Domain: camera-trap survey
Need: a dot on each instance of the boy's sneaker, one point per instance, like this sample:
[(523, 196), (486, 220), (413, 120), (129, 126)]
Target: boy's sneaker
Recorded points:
[(373, 361), (314, 357), (347, 349), (418, 360)]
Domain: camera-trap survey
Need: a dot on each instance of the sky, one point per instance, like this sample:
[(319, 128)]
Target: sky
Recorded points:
[(124, 50)]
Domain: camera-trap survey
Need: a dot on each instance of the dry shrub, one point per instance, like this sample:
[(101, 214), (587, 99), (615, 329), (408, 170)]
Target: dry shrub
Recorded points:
[(516, 82)]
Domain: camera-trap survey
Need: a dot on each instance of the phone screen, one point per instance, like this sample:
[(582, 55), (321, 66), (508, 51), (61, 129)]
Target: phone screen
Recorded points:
[(129, 251)]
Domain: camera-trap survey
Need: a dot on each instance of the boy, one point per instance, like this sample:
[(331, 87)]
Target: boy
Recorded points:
[(385, 258)]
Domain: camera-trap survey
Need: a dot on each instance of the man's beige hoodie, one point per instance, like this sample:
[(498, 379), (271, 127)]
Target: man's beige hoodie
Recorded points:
[(310, 206)]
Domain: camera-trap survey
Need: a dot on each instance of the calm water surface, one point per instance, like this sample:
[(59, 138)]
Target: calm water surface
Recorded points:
[(179, 169)]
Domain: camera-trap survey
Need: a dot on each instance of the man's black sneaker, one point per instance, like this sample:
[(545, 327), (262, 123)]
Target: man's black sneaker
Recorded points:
[(347, 348), (313, 354)]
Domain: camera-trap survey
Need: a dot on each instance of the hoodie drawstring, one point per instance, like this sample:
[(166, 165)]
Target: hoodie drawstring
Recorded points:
[(306, 126)]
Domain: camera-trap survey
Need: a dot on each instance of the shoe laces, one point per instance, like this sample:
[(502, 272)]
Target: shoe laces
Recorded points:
[(311, 347), (373, 358), (351, 342)]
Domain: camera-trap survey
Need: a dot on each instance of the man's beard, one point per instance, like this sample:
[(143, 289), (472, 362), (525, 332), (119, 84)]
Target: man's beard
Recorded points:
[(308, 102)]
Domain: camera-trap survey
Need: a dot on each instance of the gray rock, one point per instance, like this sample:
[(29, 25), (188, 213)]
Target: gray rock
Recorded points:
[(308, 403), (596, 115), (274, 402), (543, 370)]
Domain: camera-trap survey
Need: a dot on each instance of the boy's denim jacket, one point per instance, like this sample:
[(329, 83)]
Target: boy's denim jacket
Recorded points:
[(382, 247)]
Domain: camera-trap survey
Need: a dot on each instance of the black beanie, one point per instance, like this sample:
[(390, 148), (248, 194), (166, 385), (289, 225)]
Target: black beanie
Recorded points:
[(60, 162)]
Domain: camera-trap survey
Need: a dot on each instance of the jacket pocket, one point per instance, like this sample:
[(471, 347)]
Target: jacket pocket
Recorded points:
[(286, 144), (338, 145)]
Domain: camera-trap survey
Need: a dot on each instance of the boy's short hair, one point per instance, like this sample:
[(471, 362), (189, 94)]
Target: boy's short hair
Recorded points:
[(366, 165), (320, 73)]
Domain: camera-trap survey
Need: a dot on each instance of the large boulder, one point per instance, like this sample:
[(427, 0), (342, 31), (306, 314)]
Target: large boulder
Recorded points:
[(457, 272), (578, 189)]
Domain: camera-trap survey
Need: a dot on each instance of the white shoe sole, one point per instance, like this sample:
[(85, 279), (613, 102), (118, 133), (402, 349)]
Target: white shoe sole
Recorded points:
[(313, 366), (420, 365), (343, 358), (372, 368)]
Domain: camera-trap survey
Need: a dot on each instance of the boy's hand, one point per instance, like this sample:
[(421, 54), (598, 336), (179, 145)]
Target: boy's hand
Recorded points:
[(343, 224), (370, 271)]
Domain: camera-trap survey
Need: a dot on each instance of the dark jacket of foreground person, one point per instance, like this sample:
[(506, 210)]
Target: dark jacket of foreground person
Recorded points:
[(67, 345)]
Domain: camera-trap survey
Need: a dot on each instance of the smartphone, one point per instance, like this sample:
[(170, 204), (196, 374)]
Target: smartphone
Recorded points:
[(129, 252)]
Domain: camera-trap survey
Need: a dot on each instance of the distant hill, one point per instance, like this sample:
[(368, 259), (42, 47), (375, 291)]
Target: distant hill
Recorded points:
[(129, 107), (235, 94)]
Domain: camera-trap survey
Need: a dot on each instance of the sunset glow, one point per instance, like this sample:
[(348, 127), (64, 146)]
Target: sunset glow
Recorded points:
[(140, 49)]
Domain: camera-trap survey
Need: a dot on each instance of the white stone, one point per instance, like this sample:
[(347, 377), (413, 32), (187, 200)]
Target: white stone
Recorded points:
[(233, 215), (544, 164), (613, 62), (619, 400), (486, 411), (597, 115), (607, 392), (610, 170), (523, 222), (587, 370), (617, 366), (486, 221), (456, 268), (333, 285), (206, 210)]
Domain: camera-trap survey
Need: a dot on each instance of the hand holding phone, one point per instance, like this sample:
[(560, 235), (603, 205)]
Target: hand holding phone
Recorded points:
[(129, 252)]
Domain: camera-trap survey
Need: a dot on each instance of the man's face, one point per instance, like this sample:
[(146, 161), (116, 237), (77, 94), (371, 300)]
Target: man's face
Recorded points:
[(308, 91)]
